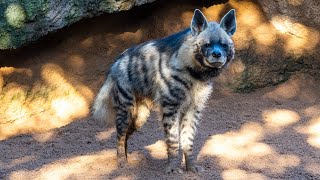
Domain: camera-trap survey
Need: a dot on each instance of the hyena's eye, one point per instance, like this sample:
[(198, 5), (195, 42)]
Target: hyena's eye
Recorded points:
[(207, 45), (224, 45)]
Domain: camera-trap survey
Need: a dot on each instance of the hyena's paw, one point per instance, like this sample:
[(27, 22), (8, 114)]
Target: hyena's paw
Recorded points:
[(173, 170), (195, 169), (122, 162)]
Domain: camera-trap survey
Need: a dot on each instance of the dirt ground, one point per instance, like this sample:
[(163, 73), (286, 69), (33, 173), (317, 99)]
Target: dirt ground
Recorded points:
[(272, 133)]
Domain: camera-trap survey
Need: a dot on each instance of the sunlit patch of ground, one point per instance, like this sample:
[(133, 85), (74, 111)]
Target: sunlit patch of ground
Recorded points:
[(158, 150), (104, 135), (295, 88), (244, 149), (17, 162), (86, 166), (279, 118), (45, 105), (238, 174), (313, 168), (312, 129), (44, 137)]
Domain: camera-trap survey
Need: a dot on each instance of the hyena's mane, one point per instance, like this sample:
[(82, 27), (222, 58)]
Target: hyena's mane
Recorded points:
[(172, 43), (168, 45)]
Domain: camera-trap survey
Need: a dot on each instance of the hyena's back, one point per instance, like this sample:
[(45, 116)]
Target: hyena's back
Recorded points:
[(142, 69)]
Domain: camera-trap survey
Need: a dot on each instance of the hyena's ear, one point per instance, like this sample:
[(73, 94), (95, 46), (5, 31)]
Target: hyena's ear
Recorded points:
[(198, 23), (229, 22)]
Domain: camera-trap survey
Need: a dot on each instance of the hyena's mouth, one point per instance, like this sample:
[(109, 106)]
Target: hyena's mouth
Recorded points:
[(206, 63), (213, 64), (201, 60)]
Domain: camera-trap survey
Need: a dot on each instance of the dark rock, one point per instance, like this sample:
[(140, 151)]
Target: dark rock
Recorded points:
[(27, 20)]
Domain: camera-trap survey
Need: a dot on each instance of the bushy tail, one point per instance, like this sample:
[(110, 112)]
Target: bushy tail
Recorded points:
[(103, 111)]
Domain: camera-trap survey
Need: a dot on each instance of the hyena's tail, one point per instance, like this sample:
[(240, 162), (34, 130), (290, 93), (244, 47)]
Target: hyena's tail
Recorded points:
[(103, 111)]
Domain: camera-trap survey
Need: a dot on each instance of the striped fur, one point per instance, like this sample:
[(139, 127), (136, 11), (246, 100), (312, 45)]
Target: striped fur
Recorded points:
[(172, 73)]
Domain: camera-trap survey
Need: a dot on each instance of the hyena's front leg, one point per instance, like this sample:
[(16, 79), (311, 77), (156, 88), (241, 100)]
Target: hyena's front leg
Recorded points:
[(188, 131), (171, 126)]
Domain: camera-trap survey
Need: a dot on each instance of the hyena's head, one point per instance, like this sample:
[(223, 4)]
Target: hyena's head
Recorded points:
[(213, 46)]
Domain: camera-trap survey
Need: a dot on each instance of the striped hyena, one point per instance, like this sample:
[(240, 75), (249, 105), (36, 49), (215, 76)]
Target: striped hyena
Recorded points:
[(172, 73)]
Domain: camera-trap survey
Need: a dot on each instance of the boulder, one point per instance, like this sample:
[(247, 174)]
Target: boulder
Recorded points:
[(24, 21), (275, 39)]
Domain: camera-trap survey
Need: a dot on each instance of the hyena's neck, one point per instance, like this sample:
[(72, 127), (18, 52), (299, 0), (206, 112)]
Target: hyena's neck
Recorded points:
[(203, 74), (183, 55)]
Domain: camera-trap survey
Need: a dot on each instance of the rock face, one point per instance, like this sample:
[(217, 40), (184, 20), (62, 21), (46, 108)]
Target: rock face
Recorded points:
[(302, 11), (275, 39), (27, 20)]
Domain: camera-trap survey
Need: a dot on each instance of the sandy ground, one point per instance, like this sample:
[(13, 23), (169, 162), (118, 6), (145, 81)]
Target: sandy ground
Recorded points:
[(273, 133)]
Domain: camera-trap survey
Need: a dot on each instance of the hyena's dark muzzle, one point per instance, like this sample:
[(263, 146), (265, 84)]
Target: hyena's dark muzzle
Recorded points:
[(214, 55)]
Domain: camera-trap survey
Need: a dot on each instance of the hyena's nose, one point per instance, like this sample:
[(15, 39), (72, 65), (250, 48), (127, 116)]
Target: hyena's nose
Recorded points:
[(216, 54)]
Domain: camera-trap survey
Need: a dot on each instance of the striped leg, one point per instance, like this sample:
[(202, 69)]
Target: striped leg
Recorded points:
[(187, 134), (123, 102), (171, 118), (139, 117), (122, 123)]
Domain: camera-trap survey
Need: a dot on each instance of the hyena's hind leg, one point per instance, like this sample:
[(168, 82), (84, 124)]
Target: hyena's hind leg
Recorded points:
[(124, 104), (140, 114)]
